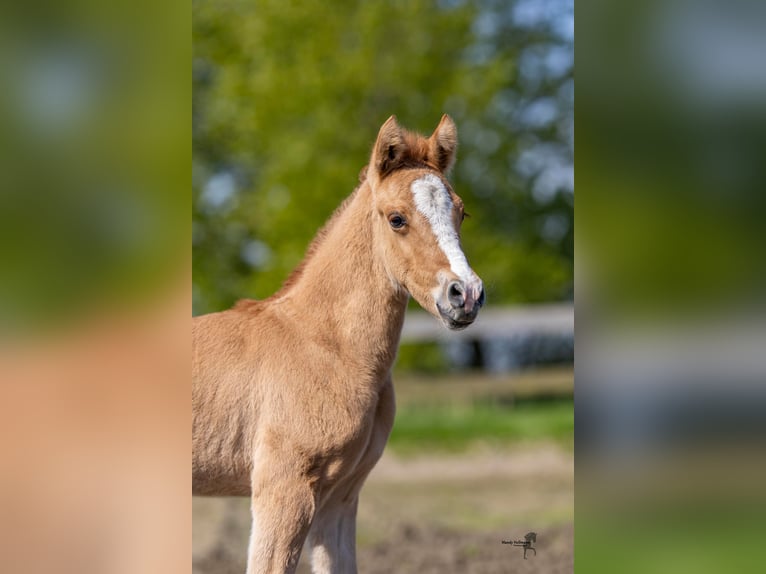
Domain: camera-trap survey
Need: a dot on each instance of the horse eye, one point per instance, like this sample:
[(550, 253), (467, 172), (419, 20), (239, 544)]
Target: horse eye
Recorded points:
[(396, 221)]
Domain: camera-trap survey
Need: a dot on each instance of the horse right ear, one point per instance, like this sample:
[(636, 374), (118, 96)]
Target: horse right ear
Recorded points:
[(443, 144), (388, 151)]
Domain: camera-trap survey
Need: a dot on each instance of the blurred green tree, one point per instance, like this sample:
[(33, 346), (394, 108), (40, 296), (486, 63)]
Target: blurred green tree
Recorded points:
[(288, 98)]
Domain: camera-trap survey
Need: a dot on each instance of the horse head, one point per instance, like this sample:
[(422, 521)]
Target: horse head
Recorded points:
[(417, 218)]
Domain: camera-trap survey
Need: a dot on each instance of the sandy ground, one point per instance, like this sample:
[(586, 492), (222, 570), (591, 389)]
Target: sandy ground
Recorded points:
[(429, 514)]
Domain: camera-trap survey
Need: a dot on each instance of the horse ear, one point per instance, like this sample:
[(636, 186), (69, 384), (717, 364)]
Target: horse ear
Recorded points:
[(389, 148), (443, 144)]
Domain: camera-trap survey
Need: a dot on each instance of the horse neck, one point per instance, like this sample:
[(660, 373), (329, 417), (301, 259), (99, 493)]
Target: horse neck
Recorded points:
[(345, 293)]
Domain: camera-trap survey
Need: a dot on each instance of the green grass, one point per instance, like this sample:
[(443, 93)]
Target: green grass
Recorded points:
[(672, 540), (458, 426)]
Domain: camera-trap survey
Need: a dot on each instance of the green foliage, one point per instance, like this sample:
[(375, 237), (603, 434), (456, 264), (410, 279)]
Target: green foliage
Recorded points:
[(288, 98)]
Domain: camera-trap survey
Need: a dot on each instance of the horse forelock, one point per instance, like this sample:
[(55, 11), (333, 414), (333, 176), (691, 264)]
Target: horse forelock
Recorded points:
[(416, 153)]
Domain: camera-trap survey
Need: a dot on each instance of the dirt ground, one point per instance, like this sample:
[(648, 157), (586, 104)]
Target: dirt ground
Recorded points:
[(433, 514)]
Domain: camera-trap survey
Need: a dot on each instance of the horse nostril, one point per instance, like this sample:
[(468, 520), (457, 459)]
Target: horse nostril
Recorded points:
[(480, 300), (455, 294)]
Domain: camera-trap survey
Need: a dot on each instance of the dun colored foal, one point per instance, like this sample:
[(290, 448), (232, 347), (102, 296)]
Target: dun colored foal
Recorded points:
[(292, 397)]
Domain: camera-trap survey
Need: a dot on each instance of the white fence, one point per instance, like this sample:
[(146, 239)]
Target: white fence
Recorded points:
[(495, 323)]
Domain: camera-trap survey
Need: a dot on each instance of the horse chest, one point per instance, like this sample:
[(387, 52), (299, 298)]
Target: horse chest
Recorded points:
[(335, 429), (359, 456), (346, 470)]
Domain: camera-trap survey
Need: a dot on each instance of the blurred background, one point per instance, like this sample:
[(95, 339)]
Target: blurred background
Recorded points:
[(671, 321), (95, 291), (287, 101)]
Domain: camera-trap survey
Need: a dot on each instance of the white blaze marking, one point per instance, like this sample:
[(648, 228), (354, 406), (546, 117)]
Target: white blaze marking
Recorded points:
[(433, 201)]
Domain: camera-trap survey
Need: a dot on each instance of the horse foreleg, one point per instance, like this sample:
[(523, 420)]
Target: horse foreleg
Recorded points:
[(333, 533), (282, 512), (333, 539)]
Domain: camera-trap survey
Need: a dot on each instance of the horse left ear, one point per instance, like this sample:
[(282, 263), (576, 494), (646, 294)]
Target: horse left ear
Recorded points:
[(388, 149), (443, 144)]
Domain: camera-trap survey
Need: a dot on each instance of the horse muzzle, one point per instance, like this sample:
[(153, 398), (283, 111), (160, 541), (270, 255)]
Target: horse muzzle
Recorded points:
[(460, 302)]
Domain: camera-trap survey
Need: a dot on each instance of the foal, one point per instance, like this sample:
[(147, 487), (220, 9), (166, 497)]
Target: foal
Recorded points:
[(292, 398)]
